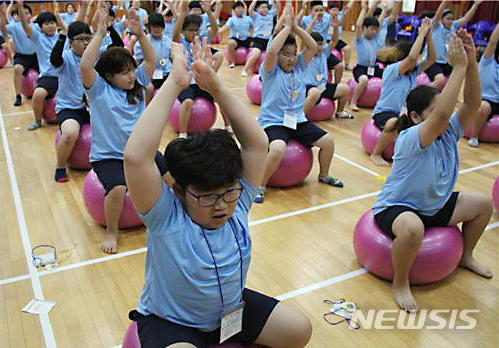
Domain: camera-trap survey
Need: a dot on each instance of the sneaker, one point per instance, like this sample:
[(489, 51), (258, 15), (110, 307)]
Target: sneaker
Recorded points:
[(35, 125), (344, 114), (259, 198), (473, 142), (182, 135), (232, 66), (229, 129), (60, 175), (329, 180), (18, 101), (244, 73)]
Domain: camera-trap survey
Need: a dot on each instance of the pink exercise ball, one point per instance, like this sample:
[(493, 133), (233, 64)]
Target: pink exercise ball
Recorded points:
[(495, 194), (93, 196), (370, 135), (329, 76), (381, 65), (438, 257), (79, 156), (131, 340), (203, 116), (323, 111), (423, 79), (28, 83), (255, 68), (126, 41), (3, 58), (489, 132), (215, 40), (294, 167), (241, 54), (49, 114), (337, 54), (254, 89), (371, 94)]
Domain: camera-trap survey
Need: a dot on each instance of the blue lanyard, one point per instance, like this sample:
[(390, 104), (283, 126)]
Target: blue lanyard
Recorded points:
[(215, 262)]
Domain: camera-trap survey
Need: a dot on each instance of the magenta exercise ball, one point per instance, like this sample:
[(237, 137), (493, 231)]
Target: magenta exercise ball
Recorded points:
[(79, 156), (489, 133), (3, 58), (422, 79), (371, 94), (28, 83), (49, 114), (438, 257), (294, 167), (93, 196), (203, 116), (254, 89), (323, 111), (241, 54), (495, 194), (255, 68), (370, 135)]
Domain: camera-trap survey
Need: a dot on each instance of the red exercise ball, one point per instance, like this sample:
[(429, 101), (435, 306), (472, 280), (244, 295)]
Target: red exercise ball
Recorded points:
[(3, 58), (49, 114), (323, 111), (294, 167), (254, 89), (203, 116), (81, 151), (28, 83), (255, 68), (489, 133), (241, 54), (370, 136), (371, 94)]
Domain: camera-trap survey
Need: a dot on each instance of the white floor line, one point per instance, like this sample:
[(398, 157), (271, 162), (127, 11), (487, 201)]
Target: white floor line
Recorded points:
[(321, 284), (14, 279), (48, 333), (472, 169), (18, 113), (492, 226), (367, 170)]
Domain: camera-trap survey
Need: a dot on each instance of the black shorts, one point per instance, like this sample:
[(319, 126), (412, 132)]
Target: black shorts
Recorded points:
[(214, 50), (494, 108), (340, 45), (360, 70), (111, 172), (159, 82), (438, 68), (2, 40), (50, 84), (155, 332), (440, 219), (332, 61), (306, 133), (381, 117), (28, 61), (260, 43), (81, 116), (242, 43), (326, 93), (193, 92)]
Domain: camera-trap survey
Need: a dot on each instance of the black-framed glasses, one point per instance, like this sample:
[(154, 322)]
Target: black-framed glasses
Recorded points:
[(210, 200)]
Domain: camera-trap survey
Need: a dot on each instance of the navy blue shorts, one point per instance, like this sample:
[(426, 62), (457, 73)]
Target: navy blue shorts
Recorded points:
[(306, 133), (381, 117), (329, 92)]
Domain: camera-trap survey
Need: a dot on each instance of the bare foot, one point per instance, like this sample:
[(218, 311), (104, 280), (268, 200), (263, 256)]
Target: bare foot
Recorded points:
[(379, 161), (473, 265), (404, 298), (353, 107), (110, 243)]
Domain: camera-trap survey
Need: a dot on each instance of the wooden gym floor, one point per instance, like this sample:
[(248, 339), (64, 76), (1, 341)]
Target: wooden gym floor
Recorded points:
[(302, 246)]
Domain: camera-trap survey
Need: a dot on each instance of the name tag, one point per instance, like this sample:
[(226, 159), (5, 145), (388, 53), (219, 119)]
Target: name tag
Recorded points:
[(370, 71), (290, 120), (158, 74), (322, 87), (232, 322)]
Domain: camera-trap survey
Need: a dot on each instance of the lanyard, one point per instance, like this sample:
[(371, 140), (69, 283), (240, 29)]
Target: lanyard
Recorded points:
[(215, 262)]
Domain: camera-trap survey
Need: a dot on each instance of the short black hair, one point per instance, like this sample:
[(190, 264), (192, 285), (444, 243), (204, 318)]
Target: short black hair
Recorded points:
[(77, 28), (192, 20), (45, 17), (377, 12), (370, 22), (447, 12), (169, 13), (14, 11), (237, 4), (156, 20), (195, 4), (111, 12), (68, 4), (316, 3), (260, 3), (206, 161), (333, 4), (426, 14), (317, 36), (290, 40)]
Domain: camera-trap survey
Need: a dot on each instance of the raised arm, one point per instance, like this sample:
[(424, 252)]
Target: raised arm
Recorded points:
[(277, 43), (3, 20), (438, 122), (218, 9), (24, 20), (10, 8), (470, 14), (56, 54), (310, 46), (411, 60), (472, 92), (142, 175), (150, 58), (312, 24), (206, 4), (251, 8), (91, 53), (396, 9), (81, 15), (303, 9), (184, 11), (492, 45), (277, 6), (347, 9), (60, 22), (360, 20), (372, 8), (440, 12), (335, 23)]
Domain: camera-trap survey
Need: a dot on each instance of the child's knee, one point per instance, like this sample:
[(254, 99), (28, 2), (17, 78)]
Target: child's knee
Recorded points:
[(339, 67), (232, 44), (326, 142), (363, 80), (40, 93), (314, 93), (390, 125), (410, 227), (277, 149), (301, 330), (18, 69)]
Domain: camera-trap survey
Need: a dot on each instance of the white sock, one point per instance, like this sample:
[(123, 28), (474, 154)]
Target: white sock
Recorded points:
[(182, 135)]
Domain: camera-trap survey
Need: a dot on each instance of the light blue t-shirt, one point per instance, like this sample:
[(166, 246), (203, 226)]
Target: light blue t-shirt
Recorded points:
[(282, 92), (367, 50), (169, 27), (239, 27), (68, 18), (422, 178), (180, 279), (383, 32), (112, 117), (316, 72), (441, 37), (22, 42), (262, 25), (489, 74), (395, 88), (119, 26), (70, 93), (162, 48), (43, 48), (321, 26), (203, 29)]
